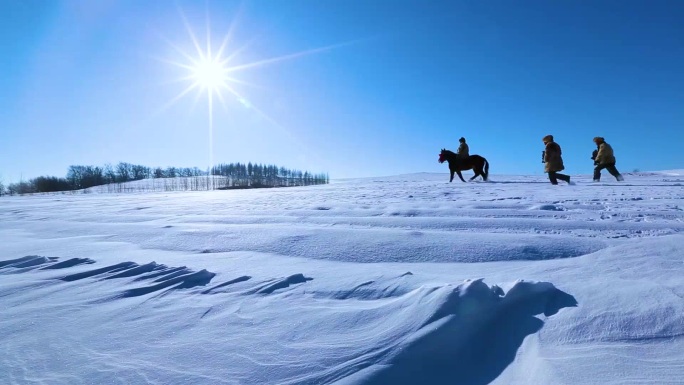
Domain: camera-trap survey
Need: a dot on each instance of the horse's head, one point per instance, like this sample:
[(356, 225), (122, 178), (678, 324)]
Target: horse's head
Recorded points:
[(442, 156)]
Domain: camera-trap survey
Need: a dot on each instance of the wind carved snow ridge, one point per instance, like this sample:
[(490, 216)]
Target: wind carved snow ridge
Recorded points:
[(153, 277)]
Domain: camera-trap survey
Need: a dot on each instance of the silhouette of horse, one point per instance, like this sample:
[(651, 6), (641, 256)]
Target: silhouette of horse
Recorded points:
[(457, 164)]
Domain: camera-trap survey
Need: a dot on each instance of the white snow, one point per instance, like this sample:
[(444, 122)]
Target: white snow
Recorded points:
[(405, 279)]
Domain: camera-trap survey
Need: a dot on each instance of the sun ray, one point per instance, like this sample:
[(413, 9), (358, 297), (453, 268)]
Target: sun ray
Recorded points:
[(183, 79), (211, 133), (222, 100), (238, 81), (175, 99), (286, 57), (176, 48), (258, 111), (190, 67), (231, 29), (208, 53), (235, 93), (196, 100), (238, 51), (298, 143), (192, 35)]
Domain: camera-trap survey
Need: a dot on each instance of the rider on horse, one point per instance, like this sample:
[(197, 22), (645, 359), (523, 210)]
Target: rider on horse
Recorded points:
[(463, 150)]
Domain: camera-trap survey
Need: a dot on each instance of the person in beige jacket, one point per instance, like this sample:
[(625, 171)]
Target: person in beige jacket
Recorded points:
[(553, 161), (605, 159), (463, 150)]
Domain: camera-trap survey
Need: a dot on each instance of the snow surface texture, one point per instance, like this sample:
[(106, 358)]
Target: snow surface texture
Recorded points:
[(394, 280)]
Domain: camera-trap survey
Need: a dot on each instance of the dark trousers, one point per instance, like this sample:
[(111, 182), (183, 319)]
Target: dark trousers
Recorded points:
[(554, 176), (611, 169)]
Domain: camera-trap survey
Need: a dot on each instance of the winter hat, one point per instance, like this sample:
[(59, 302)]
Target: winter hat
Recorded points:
[(547, 138), (599, 140), (462, 139)]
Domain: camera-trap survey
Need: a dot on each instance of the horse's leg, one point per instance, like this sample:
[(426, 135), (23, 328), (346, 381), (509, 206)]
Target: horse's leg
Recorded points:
[(459, 175), (452, 177), (477, 173)]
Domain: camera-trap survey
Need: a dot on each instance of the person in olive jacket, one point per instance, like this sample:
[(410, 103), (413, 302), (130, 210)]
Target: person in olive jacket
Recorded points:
[(553, 161), (463, 150), (605, 159)]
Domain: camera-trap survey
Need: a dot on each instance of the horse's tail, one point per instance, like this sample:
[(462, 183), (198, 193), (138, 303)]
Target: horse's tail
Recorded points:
[(486, 170)]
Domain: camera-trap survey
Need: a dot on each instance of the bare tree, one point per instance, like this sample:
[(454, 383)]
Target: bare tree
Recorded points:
[(171, 172), (109, 174), (123, 172)]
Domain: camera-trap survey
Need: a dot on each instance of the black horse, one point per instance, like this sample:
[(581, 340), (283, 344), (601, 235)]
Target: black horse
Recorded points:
[(457, 164)]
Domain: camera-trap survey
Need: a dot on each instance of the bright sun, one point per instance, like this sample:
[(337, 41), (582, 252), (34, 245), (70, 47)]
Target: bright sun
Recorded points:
[(209, 74), (212, 71)]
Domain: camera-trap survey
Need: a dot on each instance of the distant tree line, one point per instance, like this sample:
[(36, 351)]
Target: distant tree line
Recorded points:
[(240, 175), (234, 175)]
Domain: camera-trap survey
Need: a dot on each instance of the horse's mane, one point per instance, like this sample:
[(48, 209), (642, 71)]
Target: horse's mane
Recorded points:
[(449, 152)]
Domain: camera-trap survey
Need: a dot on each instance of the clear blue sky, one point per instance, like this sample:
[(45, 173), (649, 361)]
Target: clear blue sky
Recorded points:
[(84, 82)]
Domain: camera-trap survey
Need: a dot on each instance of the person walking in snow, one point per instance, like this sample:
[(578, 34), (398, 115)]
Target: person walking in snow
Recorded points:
[(605, 159), (463, 150), (553, 161)]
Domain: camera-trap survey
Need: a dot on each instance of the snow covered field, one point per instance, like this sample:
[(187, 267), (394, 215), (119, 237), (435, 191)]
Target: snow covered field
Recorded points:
[(393, 280)]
